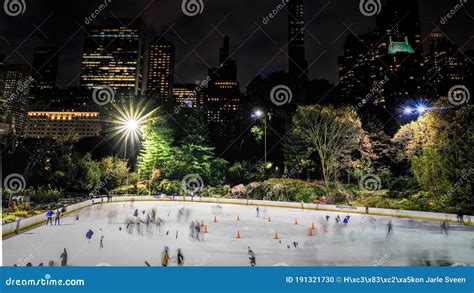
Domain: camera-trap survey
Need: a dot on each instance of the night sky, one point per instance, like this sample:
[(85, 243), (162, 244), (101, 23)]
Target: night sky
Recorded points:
[(255, 50)]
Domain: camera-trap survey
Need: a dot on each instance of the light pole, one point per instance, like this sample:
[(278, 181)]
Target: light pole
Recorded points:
[(259, 114), (131, 127)]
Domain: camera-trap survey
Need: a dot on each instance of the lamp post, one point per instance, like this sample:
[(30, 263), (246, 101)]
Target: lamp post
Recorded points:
[(259, 114)]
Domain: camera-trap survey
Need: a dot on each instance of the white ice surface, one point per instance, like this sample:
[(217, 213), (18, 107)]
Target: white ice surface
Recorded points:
[(362, 242)]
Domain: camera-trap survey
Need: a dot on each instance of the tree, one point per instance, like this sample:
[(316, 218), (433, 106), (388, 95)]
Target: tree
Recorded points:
[(113, 173), (297, 155), (438, 147), (156, 153), (332, 133)]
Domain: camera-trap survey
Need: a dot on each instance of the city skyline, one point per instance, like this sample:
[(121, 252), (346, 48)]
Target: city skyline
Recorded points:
[(192, 66)]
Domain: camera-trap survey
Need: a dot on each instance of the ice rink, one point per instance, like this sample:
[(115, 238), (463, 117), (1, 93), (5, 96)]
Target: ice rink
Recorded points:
[(362, 242)]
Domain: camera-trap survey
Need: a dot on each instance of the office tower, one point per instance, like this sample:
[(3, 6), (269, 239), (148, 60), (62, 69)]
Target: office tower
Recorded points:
[(222, 99), (383, 69), (160, 70), (113, 57), (45, 65), (16, 83), (298, 66), (444, 66), (189, 95)]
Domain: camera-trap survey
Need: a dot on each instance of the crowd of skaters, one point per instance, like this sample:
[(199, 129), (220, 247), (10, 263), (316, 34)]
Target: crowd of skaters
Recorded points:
[(196, 232)]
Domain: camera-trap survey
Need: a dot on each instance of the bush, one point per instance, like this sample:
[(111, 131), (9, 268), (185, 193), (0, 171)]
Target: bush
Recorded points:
[(170, 186), (43, 195)]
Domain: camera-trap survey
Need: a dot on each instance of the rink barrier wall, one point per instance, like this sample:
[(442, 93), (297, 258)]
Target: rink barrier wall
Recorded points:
[(37, 220), (430, 216)]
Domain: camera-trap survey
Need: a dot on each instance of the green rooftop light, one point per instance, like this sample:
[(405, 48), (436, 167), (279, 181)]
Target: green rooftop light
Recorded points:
[(400, 47)]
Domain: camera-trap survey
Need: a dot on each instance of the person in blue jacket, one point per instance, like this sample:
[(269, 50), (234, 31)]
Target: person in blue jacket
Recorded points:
[(49, 217)]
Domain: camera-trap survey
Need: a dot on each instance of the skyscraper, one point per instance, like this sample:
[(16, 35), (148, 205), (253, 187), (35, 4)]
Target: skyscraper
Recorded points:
[(222, 99), (384, 68), (298, 66), (160, 70), (45, 65), (15, 91), (113, 56), (444, 66)]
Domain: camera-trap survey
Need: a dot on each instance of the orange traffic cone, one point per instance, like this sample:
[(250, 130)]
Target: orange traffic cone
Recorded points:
[(276, 235), (309, 234), (205, 229), (269, 219), (238, 234), (238, 218), (312, 226), (215, 219), (296, 221)]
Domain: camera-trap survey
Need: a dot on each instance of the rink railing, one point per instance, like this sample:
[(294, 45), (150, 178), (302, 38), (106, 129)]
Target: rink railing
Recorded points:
[(34, 221)]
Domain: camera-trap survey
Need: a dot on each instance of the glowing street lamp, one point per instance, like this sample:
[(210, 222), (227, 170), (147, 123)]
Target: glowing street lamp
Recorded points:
[(128, 122)]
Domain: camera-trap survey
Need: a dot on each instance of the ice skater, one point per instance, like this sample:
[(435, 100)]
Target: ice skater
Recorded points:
[(338, 219), (389, 228), (258, 212), (49, 217), (89, 235), (165, 257), (444, 227), (327, 218), (101, 245), (57, 218), (180, 258), (135, 213), (63, 258), (253, 260)]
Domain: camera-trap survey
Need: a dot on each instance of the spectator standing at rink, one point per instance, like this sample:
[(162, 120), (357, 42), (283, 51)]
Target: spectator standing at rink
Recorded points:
[(49, 217), (17, 228), (57, 218)]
